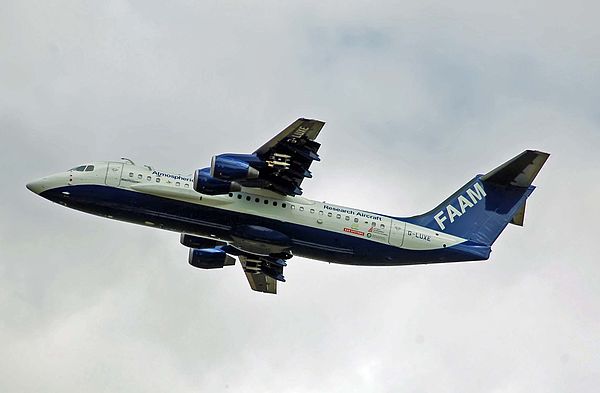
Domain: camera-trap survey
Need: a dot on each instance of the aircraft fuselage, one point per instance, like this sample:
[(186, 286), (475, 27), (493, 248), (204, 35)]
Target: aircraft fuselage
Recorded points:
[(317, 230)]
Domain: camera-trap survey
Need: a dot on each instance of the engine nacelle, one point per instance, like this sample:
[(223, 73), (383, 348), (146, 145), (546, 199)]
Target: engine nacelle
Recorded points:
[(204, 183), (233, 167), (197, 242), (209, 258)]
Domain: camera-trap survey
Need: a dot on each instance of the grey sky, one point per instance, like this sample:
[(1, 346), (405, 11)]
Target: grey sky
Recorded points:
[(417, 96)]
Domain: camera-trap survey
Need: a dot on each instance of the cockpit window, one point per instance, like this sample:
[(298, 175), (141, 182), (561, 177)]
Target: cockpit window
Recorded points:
[(89, 168), (78, 168)]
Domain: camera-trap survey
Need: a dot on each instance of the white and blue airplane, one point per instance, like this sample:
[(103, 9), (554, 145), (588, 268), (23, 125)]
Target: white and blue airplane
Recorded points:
[(250, 206)]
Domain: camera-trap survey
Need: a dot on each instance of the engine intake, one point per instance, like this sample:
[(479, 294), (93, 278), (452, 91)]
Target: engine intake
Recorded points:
[(209, 258), (204, 183)]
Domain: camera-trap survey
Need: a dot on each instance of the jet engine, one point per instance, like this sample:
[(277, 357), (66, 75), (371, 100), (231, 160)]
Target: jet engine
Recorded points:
[(204, 183), (209, 258), (234, 167), (198, 242)]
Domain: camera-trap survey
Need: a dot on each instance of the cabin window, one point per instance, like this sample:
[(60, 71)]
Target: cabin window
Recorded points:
[(177, 183), (140, 176), (130, 174), (186, 185), (158, 179), (347, 218), (312, 211), (338, 216), (373, 224), (149, 178), (274, 203), (356, 220), (292, 207), (320, 212), (89, 168), (283, 205), (230, 194), (248, 198), (301, 208), (329, 214), (257, 200), (239, 196), (266, 201), (382, 226)]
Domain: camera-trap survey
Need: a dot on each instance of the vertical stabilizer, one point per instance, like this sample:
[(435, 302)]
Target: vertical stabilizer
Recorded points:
[(481, 209)]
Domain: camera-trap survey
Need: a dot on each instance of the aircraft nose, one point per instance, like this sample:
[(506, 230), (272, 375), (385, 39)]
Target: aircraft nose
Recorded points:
[(36, 186)]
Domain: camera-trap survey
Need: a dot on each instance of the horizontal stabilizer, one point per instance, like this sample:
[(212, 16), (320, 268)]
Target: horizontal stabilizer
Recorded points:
[(519, 171)]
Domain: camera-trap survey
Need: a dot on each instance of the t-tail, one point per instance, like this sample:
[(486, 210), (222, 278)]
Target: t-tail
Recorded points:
[(482, 208)]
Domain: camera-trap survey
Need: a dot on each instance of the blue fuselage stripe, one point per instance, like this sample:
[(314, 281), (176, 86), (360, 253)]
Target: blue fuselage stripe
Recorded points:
[(185, 217)]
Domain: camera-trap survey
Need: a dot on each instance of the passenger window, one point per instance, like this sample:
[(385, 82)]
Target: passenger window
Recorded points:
[(356, 220), (186, 185), (230, 194), (347, 218), (89, 168), (130, 174), (329, 214), (177, 183), (292, 207), (248, 198), (274, 203), (266, 201), (239, 196), (301, 208), (373, 224), (158, 179), (149, 178), (320, 212), (140, 176), (382, 226), (283, 205), (312, 211), (338, 216), (257, 200)]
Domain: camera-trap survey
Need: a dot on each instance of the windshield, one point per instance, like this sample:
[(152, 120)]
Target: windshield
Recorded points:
[(81, 168)]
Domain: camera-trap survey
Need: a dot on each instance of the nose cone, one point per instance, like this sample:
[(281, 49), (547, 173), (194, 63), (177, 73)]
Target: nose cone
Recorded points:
[(37, 186), (48, 183)]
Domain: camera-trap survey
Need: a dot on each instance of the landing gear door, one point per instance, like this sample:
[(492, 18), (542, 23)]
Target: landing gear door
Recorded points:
[(113, 174), (397, 233)]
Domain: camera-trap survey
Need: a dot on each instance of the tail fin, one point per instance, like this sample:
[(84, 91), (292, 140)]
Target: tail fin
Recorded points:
[(483, 207)]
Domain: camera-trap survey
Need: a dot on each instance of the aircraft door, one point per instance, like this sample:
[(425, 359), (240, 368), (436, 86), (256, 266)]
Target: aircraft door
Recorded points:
[(113, 174), (397, 233)]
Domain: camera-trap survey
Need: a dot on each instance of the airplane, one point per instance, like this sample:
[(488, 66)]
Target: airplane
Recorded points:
[(250, 207)]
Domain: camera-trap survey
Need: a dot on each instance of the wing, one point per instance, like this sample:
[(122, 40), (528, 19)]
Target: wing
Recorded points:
[(289, 155), (280, 165), (258, 280)]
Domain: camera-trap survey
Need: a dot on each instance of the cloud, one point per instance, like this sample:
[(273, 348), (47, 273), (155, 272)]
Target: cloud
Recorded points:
[(418, 97)]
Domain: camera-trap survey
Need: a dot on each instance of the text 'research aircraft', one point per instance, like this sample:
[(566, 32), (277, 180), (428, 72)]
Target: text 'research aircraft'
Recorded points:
[(249, 206)]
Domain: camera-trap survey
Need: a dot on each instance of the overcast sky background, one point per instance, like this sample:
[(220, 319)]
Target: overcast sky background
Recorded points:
[(418, 97)]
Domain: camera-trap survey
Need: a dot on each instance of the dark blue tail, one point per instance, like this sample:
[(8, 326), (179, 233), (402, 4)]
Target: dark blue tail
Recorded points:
[(483, 207)]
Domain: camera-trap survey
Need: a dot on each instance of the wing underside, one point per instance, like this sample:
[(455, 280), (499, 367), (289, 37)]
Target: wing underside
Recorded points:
[(258, 280)]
